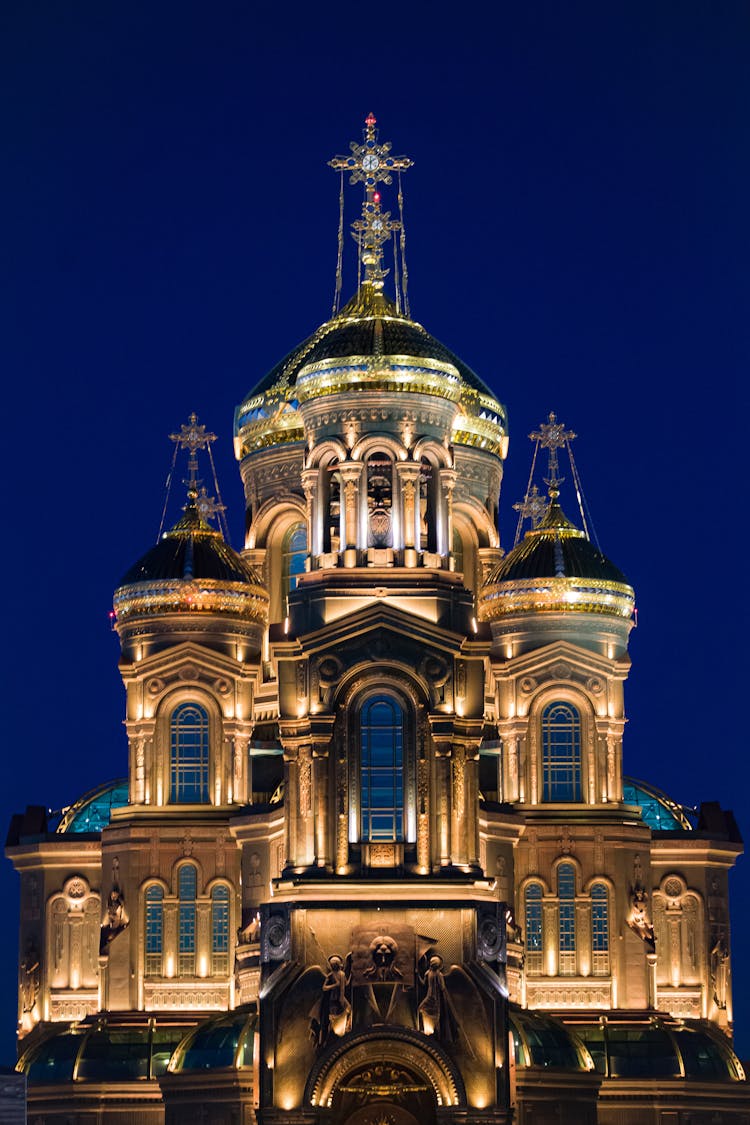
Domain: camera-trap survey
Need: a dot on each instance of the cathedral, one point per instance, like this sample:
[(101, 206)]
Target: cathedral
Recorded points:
[(376, 860)]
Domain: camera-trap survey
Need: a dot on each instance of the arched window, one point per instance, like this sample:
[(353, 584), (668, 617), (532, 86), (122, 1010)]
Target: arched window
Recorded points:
[(187, 888), (458, 551), (293, 555), (220, 931), (379, 500), (382, 768), (154, 930), (533, 927), (566, 894), (600, 929), (561, 753), (428, 505), (189, 754)]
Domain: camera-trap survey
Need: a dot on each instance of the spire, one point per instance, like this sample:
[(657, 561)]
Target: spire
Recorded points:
[(371, 164), (194, 438), (552, 436)]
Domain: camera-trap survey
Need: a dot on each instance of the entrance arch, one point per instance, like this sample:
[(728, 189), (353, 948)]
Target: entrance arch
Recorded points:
[(396, 1077)]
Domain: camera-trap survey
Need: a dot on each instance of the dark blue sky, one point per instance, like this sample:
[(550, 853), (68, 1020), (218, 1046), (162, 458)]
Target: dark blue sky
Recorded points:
[(578, 232)]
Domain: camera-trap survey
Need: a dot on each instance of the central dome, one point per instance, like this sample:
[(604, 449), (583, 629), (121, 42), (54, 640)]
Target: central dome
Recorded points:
[(369, 325), (369, 343)]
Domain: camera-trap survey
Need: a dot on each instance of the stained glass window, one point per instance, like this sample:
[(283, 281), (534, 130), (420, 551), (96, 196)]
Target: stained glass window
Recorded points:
[(566, 894), (189, 753), (533, 926), (154, 930), (187, 884), (293, 555), (561, 753), (600, 929), (220, 930), (382, 768)]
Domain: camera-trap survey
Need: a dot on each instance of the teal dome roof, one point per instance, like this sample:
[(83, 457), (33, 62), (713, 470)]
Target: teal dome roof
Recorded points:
[(93, 811)]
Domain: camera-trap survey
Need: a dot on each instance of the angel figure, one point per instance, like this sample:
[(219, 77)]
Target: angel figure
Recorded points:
[(332, 1013), (435, 1011)]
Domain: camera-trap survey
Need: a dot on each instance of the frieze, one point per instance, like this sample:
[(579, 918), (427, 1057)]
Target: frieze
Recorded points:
[(568, 996)]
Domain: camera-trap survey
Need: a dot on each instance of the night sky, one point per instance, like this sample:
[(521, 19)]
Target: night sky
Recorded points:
[(577, 231)]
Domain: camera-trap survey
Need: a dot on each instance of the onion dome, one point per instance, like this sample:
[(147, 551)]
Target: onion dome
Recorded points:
[(558, 569), (369, 345), (192, 569)]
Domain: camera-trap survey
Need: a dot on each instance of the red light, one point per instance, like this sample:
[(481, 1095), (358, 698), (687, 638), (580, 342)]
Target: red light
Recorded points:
[(370, 119), (376, 197)]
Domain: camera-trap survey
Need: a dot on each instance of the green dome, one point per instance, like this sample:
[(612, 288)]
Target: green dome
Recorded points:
[(556, 569), (192, 549), (369, 325), (191, 570), (556, 548)]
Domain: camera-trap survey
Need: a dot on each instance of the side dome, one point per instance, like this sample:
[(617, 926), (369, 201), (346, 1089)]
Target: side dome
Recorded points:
[(192, 569), (558, 569)]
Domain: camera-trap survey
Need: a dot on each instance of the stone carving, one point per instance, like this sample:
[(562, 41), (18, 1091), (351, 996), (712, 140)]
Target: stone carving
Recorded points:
[(719, 973), (383, 957), (29, 986), (436, 1014), (332, 1013), (116, 919), (638, 916)]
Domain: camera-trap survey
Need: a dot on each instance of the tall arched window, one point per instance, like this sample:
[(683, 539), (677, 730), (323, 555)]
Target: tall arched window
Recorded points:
[(600, 929), (382, 768), (154, 930), (533, 927), (566, 894), (187, 888), (561, 753), (293, 555), (379, 500), (220, 931), (189, 753)]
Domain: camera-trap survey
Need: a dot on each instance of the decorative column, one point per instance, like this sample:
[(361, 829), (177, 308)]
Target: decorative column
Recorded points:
[(351, 476), (309, 487), (445, 515), (408, 475), (550, 929)]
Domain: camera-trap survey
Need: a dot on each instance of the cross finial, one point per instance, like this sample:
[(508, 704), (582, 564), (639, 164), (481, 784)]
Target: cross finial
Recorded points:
[(371, 163), (552, 436), (532, 507), (193, 437)]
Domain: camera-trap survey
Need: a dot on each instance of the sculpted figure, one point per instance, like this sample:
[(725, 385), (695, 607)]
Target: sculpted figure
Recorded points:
[(332, 1013), (435, 1011), (115, 921), (29, 979), (383, 950), (719, 972), (638, 918)]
